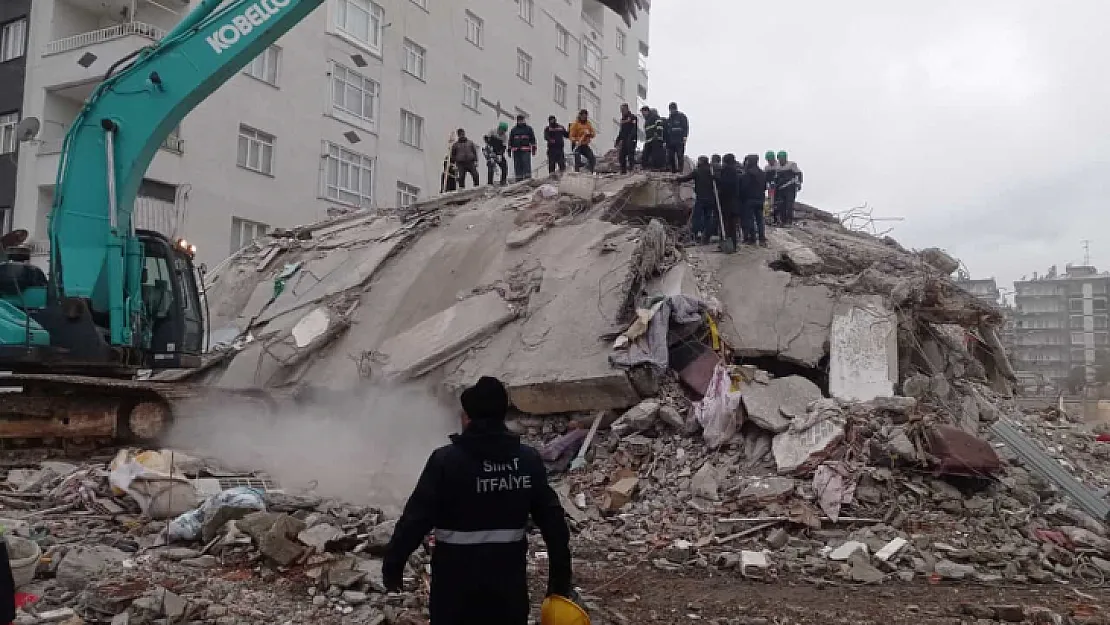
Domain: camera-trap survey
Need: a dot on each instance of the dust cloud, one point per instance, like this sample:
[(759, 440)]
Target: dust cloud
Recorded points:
[(366, 448)]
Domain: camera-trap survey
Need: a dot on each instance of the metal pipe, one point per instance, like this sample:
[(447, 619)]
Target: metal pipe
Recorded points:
[(110, 153)]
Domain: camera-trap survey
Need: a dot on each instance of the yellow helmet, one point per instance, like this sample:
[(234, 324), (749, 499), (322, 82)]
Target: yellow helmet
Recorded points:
[(558, 610)]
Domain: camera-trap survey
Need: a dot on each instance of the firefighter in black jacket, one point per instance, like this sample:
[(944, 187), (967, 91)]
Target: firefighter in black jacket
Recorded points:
[(678, 129), (555, 136), (522, 145), (477, 494), (652, 156), (626, 139)]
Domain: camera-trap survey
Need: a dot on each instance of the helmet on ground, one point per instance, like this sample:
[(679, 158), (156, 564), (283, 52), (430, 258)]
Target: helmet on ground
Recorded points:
[(782, 154), (503, 126), (558, 610)]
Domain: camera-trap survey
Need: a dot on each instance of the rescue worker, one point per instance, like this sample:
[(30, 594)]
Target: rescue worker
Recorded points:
[(678, 130), (478, 494), (769, 170), (704, 222), (496, 141), (581, 134), (715, 164), (753, 187), (464, 154), (626, 139), (522, 145), (788, 182), (728, 190), (554, 136), (653, 139)]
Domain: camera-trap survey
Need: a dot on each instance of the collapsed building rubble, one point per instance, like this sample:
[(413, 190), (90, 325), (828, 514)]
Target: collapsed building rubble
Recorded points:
[(820, 409)]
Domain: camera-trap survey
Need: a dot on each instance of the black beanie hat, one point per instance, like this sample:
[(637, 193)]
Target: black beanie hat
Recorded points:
[(486, 400)]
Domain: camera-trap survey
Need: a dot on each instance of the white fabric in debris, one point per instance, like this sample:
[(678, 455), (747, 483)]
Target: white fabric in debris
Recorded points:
[(651, 346), (717, 411)]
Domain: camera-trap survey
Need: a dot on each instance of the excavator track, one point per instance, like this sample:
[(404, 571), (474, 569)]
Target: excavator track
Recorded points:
[(45, 409)]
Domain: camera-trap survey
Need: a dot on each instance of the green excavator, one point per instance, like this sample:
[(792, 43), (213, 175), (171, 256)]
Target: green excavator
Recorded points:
[(116, 299)]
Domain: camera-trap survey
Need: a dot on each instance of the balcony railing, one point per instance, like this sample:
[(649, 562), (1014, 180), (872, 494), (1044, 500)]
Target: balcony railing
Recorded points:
[(48, 147), (104, 34)]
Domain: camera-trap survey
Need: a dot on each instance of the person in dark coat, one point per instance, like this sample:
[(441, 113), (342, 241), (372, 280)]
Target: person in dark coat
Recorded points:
[(728, 189), (704, 222), (715, 164), (464, 154), (522, 145), (653, 139), (753, 189), (555, 136), (478, 494), (678, 130), (787, 181), (7, 585), (626, 139)]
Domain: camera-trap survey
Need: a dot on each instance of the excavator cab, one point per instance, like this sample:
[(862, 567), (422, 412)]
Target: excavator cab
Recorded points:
[(171, 302)]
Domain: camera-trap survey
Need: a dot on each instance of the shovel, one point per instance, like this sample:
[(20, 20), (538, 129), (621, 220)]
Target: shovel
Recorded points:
[(726, 245)]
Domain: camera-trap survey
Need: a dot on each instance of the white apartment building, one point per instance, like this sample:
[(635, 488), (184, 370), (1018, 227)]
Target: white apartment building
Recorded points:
[(351, 109)]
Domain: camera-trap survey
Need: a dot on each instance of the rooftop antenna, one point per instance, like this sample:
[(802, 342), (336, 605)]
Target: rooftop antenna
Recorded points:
[(1086, 252)]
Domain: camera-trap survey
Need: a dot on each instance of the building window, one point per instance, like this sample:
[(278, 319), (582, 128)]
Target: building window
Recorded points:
[(412, 129), (1099, 305), (523, 65), (355, 95), (1075, 305), (1076, 338), (8, 140), (1100, 322), (349, 176), (591, 58), (526, 9), (244, 231), (406, 194), (589, 101), (415, 59), (265, 66), (475, 29), (13, 40), (618, 81), (1076, 323), (472, 93), (562, 39), (621, 41), (560, 92), (256, 150), (362, 21), (641, 91)]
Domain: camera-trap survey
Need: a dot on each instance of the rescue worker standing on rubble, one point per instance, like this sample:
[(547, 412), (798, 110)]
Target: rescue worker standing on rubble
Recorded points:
[(626, 139), (705, 217), (653, 139), (753, 189), (581, 134), (728, 190), (496, 141), (554, 136), (464, 154), (477, 494), (522, 144), (678, 130), (715, 164), (788, 182)]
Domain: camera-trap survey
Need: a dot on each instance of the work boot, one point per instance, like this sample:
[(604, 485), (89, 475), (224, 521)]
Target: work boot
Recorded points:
[(763, 243)]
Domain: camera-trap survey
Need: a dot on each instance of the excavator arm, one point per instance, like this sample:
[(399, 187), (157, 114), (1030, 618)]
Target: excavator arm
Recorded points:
[(95, 254)]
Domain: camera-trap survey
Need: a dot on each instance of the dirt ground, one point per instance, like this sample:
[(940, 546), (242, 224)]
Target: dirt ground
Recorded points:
[(646, 595)]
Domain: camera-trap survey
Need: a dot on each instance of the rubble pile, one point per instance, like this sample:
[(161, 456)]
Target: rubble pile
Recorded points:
[(831, 408)]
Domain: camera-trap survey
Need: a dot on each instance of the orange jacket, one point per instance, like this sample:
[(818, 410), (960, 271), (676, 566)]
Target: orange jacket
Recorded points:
[(581, 133)]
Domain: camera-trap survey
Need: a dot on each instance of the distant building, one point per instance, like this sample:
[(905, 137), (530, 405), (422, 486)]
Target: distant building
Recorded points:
[(1060, 322), (985, 289)]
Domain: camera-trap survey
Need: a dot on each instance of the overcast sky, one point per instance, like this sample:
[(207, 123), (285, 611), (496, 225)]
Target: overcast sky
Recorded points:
[(983, 123)]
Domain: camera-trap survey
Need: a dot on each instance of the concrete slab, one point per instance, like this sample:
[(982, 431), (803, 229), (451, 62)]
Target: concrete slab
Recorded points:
[(445, 335), (863, 350), (768, 313), (523, 236), (578, 184), (803, 260), (773, 405)]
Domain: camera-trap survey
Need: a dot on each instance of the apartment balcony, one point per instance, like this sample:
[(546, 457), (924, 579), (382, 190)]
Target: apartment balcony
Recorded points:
[(88, 55)]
